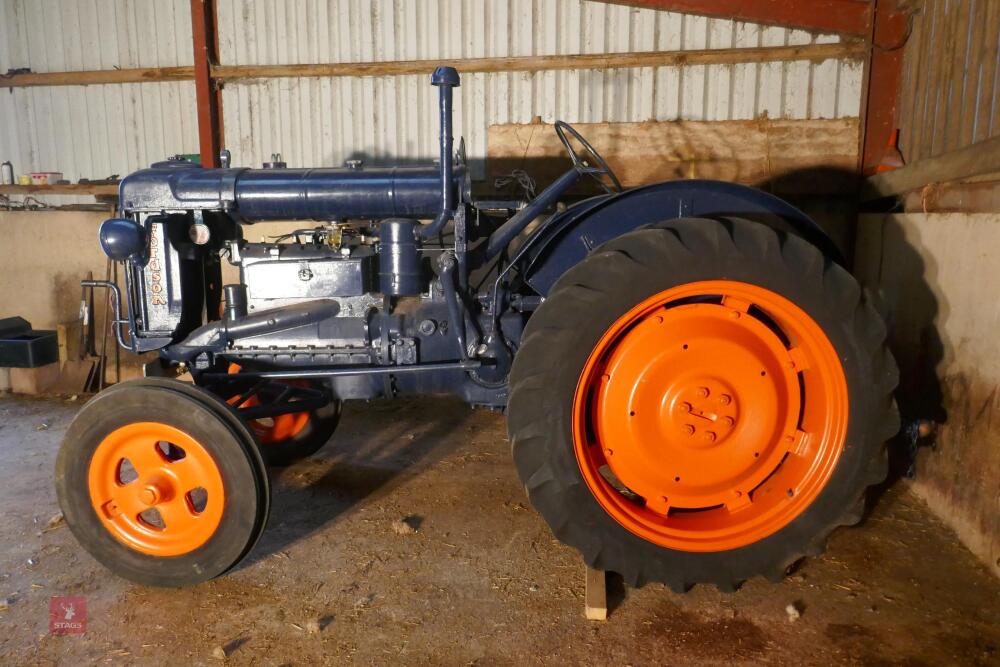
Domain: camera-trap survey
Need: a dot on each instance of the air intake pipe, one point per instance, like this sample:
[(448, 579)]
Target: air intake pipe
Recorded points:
[(445, 78)]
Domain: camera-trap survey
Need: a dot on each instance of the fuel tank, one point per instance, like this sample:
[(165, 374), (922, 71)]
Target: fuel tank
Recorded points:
[(291, 194)]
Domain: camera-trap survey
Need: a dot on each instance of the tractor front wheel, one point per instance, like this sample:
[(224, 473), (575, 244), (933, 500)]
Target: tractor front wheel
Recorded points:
[(702, 401), (162, 483)]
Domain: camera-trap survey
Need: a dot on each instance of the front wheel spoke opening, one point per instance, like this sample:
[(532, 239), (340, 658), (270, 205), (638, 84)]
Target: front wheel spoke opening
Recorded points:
[(177, 514), (146, 457)]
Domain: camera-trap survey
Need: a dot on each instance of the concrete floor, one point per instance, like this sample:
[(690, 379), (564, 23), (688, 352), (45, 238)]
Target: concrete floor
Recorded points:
[(481, 582)]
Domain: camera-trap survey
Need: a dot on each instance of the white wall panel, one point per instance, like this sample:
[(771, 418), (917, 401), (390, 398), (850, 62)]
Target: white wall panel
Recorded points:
[(95, 131), (325, 121), (98, 130)]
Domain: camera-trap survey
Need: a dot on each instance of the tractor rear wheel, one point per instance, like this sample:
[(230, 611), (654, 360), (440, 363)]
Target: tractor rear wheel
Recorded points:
[(162, 484), (702, 401)]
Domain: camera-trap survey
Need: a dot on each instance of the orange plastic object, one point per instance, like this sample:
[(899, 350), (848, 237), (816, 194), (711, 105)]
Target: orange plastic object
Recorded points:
[(710, 415), (892, 158), (183, 485), (271, 430)]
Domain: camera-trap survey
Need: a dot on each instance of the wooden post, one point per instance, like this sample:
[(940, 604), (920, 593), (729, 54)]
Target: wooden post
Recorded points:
[(596, 595), (205, 36), (883, 74)]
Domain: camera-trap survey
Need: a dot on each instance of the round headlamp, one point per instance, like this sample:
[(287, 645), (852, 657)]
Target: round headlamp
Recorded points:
[(122, 238)]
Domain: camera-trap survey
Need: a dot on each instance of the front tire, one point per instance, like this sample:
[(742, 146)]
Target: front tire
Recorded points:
[(702, 401), (161, 483)]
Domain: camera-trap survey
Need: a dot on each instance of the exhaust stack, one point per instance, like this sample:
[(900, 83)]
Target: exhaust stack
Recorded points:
[(445, 78)]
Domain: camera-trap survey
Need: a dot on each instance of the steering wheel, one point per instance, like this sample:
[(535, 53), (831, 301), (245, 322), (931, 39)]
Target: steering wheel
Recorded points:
[(601, 167)]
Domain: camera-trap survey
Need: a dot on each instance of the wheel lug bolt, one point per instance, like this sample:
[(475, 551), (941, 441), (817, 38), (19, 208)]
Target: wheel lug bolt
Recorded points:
[(684, 407), (703, 392), (710, 436), (728, 421), (688, 429), (609, 452), (725, 399), (149, 495)]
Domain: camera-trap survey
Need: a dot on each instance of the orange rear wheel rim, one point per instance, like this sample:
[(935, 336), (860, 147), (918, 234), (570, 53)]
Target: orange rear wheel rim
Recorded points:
[(147, 466), (710, 415), (275, 429)]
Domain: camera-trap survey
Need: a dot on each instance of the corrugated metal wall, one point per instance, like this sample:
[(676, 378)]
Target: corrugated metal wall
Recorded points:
[(95, 131), (950, 96), (99, 130), (324, 121)]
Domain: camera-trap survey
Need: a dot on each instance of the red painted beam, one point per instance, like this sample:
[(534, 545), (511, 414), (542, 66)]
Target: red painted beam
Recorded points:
[(883, 74), (205, 35), (842, 16)]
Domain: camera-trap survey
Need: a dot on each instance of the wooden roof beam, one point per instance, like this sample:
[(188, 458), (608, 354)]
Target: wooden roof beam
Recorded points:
[(849, 17)]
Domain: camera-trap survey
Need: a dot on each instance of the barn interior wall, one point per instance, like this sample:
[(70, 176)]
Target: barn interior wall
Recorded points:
[(930, 271), (950, 93), (96, 131)]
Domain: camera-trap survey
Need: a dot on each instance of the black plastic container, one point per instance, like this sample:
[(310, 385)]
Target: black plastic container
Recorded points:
[(23, 347)]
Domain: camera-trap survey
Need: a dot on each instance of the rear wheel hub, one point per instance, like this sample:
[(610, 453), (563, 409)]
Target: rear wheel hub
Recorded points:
[(710, 415)]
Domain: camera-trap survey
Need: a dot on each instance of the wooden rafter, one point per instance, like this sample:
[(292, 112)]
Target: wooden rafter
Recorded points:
[(223, 73), (840, 16)]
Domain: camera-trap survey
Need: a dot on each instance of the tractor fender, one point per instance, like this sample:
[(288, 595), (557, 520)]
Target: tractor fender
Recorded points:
[(570, 235)]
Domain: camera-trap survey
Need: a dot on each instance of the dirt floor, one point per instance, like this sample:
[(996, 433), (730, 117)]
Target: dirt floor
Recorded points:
[(480, 582)]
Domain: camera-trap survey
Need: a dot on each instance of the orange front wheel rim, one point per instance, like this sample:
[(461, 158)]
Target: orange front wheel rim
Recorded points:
[(280, 428), (272, 430), (710, 416), (156, 489)]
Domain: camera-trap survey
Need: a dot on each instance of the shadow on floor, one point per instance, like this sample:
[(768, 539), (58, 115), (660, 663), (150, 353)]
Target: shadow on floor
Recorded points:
[(377, 447)]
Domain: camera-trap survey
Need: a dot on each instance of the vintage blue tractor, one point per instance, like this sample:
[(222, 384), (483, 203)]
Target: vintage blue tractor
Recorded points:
[(696, 389)]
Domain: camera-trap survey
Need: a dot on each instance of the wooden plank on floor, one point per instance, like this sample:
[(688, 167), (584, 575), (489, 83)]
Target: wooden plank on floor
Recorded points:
[(596, 595)]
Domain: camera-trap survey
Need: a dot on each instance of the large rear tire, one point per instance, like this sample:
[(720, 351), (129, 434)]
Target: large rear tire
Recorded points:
[(702, 401), (161, 483)]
